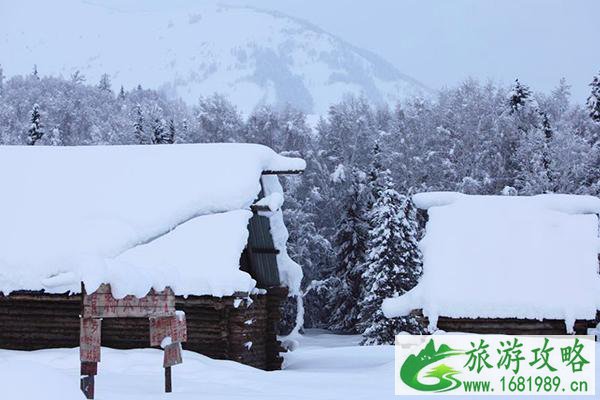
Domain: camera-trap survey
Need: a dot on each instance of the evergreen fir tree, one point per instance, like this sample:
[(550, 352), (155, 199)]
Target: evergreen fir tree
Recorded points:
[(35, 72), (518, 96), (351, 238), (138, 126), (56, 137), (104, 83), (35, 131), (122, 93), (548, 135), (593, 101), (185, 127), (533, 157), (374, 182), (394, 263), (172, 132), (77, 78), (160, 132)]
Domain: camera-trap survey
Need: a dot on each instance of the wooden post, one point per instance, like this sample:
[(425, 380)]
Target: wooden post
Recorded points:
[(172, 356), (87, 386), (88, 369), (168, 382)]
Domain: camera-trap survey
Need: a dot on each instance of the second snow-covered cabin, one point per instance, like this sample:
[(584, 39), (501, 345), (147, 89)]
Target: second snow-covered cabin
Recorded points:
[(507, 264), (203, 220)]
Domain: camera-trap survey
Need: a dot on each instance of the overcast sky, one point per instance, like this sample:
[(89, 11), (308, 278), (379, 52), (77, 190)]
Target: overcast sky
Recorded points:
[(442, 42)]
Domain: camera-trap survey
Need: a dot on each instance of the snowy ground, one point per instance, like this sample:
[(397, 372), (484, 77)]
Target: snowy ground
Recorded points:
[(325, 366)]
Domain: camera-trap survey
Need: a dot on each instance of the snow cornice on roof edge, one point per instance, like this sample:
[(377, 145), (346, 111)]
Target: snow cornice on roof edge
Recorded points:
[(566, 203)]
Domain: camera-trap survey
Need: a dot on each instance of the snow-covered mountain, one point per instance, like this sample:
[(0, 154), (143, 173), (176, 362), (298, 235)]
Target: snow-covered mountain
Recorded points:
[(251, 56)]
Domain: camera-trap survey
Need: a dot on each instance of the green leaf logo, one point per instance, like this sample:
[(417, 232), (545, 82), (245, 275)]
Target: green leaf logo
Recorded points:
[(413, 365)]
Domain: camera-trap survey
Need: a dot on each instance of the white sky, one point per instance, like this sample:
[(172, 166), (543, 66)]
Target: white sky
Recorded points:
[(442, 42)]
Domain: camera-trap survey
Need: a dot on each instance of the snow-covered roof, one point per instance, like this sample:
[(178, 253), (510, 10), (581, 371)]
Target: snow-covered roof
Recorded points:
[(132, 216), (506, 257)]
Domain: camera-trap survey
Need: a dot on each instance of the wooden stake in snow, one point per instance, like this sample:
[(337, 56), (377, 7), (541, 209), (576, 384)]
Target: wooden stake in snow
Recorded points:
[(172, 357), (167, 328)]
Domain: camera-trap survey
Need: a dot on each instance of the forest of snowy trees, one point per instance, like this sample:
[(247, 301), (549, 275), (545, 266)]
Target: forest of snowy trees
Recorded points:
[(352, 223)]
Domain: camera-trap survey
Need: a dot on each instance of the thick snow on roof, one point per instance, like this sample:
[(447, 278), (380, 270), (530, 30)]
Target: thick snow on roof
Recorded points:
[(507, 257), (67, 212), (199, 256)]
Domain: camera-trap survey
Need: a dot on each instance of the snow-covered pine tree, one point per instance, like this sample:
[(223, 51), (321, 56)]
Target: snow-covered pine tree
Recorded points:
[(160, 132), (533, 159), (374, 177), (35, 131), (122, 93), (35, 72), (262, 127), (295, 132), (219, 120), (548, 135), (185, 130), (394, 263), (77, 78), (104, 83), (56, 137), (351, 240), (138, 126), (593, 101), (518, 96), (172, 132), (523, 142)]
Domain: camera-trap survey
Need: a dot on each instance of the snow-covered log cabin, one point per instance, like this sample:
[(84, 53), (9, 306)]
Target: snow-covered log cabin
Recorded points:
[(204, 220), (506, 264)]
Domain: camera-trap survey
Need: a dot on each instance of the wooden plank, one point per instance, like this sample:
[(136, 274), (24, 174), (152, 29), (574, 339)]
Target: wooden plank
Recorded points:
[(89, 368), (172, 355), (259, 207), (257, 250), (87, 386), (162, 327), (89, 340)]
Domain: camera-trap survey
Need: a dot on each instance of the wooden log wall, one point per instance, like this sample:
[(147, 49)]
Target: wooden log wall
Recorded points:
[(33, 322), (507, 326), (216, 327), (512, 326), (275, 299), (207, 324)]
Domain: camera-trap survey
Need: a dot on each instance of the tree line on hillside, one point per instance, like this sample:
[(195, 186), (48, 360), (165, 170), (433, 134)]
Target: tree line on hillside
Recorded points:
[(353, 226)]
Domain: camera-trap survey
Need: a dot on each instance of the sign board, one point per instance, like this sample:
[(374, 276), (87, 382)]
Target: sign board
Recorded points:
[(173, 327), (102, 304), (159, 307), (89, 340), (172, 355)]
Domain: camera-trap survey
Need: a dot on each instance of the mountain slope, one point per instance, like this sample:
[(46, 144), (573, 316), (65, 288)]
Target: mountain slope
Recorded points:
[(251, 56)]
